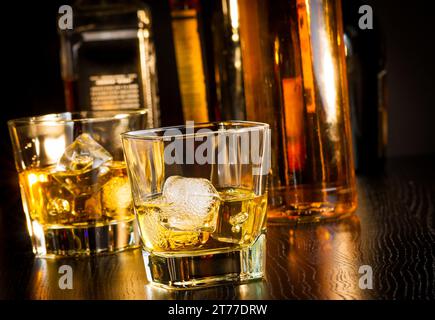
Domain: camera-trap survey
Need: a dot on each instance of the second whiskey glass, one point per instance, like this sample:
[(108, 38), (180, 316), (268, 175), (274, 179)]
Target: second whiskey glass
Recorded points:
[(199, 194), (73, 181)]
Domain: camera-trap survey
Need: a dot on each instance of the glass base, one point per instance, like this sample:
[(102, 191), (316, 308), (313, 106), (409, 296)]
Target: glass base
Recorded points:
[(288, 205), (56, 241), (207, 268)]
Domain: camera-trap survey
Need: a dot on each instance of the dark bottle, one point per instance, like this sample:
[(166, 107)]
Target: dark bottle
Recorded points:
[(367, 74), (108, 58), (226, 56)]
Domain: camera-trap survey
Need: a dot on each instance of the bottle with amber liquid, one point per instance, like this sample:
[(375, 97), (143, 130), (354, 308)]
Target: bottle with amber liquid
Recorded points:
[(187, 32), (293, 57), (108, 59)]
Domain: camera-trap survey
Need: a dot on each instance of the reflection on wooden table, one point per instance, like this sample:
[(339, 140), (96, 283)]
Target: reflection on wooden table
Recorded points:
[(311, 260)]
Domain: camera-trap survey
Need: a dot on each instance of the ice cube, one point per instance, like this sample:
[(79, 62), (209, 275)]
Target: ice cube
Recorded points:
[(83, 154), (117, 201), (193, 204), (83, 167), (156, 235), (58, 206), (237, 220), (81, 183), (92, 208)]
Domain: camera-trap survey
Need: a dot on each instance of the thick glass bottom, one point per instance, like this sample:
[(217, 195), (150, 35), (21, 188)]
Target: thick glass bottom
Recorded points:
[(207, 268), (84, 240), (308, 205)]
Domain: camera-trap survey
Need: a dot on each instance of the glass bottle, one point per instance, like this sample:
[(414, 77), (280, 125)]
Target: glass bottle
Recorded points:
[(367, 76), (295, 79), (108, 58), (186, 30), (227, 60)]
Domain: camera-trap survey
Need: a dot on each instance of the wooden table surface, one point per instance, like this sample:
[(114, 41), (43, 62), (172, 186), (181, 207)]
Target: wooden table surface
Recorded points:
[(393, 232)]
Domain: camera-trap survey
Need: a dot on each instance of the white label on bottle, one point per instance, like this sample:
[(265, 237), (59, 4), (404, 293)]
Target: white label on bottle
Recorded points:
[(117, 91)]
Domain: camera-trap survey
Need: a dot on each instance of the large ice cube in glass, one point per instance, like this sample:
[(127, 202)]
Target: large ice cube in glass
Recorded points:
[(117, 201), (192, 204), (84, 166), (83, 154)]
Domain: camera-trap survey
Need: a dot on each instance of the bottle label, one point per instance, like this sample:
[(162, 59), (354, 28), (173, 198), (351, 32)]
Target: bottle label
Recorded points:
[(190, 65), (108, 71), (114, 91)]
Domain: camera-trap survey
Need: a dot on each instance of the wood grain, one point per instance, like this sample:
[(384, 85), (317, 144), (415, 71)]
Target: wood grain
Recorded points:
[(393, 231)]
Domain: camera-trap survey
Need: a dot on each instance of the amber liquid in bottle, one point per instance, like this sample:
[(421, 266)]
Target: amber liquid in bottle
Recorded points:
[(189, 58), (295, 80)]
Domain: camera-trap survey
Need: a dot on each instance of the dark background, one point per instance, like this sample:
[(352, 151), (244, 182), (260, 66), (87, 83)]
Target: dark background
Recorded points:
[(409, 32), (32, 84)]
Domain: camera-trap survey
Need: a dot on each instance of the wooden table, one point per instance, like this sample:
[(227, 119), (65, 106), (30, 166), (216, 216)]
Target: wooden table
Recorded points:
[(393, 232)]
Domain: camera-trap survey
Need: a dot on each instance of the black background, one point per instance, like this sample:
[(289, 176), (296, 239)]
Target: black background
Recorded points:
[(409, 31), (32, 83)]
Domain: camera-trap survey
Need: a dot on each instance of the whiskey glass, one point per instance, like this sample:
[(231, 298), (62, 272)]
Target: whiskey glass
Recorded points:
[(199, 194), (73, 181)]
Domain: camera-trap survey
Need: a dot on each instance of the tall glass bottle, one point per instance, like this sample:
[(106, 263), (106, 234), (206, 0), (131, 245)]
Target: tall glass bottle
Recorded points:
[(367, 75), (295, 79), (108, 58), (186, 31), (227, 59)]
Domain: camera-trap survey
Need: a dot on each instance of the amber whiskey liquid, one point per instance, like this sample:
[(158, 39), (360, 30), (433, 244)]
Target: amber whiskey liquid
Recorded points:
[(236, 228), (295, 80), (240, 220), (79, 212)]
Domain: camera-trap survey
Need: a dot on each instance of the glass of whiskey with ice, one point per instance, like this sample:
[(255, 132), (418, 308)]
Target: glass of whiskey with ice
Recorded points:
[(73, 181), (199, 194)]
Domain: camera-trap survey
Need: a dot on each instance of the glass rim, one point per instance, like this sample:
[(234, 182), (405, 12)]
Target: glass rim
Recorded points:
[(56, 118), (149, 134)]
